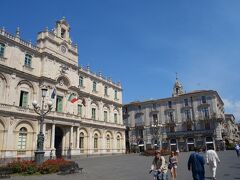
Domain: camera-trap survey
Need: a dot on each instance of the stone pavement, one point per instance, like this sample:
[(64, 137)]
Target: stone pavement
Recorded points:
[(135, 167)]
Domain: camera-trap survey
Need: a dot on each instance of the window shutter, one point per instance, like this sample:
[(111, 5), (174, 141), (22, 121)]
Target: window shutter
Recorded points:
[(25, 99), (60, 103)]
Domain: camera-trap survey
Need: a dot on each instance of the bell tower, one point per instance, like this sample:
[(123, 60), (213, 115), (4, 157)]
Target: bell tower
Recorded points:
[(62, 29), (58, 43), (177, 88)]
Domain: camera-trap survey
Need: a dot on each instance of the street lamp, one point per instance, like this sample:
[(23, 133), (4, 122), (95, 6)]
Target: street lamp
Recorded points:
[(39, 153)]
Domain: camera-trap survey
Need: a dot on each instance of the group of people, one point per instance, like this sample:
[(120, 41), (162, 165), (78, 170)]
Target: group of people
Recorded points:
[(160, 167), (195, 164)]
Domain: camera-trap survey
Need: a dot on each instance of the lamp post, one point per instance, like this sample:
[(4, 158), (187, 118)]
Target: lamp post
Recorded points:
[(156, 127), (39, 153)]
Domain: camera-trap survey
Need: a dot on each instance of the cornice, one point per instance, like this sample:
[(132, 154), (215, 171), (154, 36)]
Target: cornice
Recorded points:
[(90, 75), (21, 74), (13, 41)]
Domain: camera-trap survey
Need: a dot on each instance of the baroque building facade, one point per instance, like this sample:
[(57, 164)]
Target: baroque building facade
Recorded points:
[(90, 125), (180, 122), (230, 130)]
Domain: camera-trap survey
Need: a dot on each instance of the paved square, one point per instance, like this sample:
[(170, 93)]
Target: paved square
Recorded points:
[(135, 167)]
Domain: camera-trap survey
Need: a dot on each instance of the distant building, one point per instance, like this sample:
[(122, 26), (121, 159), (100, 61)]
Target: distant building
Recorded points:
[(183, 121), (89, 126), (230, 131)]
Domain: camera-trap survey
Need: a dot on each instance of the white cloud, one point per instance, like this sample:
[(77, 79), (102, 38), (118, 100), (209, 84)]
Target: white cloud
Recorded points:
[(232, 107)]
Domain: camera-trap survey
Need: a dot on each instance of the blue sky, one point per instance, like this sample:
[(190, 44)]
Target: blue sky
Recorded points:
[(144, 43)]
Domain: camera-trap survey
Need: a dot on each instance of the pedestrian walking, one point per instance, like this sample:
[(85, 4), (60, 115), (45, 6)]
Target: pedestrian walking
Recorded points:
[(173, 161), (237, 148), (159, 167), (212, 160), (196, 165)]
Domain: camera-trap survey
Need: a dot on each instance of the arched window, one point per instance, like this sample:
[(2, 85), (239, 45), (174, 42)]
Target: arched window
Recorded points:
[(81, 139), (95, 142), (22, 139), (108, 143), (118, 143)]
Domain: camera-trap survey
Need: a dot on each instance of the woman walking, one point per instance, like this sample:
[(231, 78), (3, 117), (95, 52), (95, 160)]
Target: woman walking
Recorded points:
[(173, 165)]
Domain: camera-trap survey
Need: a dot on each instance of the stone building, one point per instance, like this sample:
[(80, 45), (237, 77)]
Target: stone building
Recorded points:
[(183, 121), (230, 130), (90, 125)]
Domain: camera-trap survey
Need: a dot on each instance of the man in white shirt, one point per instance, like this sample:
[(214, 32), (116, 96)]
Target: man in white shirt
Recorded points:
[(212, 160)]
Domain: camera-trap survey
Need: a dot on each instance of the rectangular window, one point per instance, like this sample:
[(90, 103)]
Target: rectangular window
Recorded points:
[(28, 60), (80, 110), (170, 115), (105, 116), (155, 118), (2, 49), (187, 114), (204, 99), (186, 102), (93, 113), (170, 104), (105, 90), (115, 94), (115, 118), (94, 86), (59, 104), (23, 99), (205, 112), (81, 81)]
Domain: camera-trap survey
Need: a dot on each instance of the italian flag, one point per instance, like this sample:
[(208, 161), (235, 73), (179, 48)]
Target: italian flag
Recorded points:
[(72, 98)]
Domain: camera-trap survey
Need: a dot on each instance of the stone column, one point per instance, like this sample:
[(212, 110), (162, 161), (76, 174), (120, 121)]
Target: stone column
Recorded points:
[(90, 141), (100, 111), (71, 137), (111, 114), (53, 136), (123, 144), (120, 116), (88, 108), (77, 139)]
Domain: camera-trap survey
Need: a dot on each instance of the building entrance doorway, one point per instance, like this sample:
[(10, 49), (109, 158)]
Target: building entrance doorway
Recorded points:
[(58, 142), (190, 144), (209, 143), (173, 144)]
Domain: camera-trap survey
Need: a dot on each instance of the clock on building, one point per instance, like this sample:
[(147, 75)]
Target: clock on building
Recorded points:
[(63, 49)]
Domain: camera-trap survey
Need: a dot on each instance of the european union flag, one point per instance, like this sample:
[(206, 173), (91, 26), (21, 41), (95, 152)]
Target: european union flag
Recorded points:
[(53, 93)]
